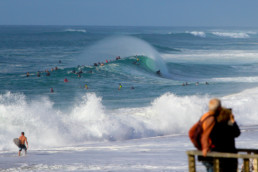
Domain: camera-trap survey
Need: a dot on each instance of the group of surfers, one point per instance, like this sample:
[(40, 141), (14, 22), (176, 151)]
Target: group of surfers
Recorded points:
[(197, 83)]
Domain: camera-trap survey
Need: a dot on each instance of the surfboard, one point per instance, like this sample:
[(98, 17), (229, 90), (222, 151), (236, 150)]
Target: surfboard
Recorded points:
[(16, 141)]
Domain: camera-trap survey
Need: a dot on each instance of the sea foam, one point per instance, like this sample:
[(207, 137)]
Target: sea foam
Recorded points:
[(90, 120)]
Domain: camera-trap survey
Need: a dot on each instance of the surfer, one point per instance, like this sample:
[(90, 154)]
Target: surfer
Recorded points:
[(65, 80), (60, 61), (51, 90), (86, 86), (158, 72), (132, 88), (38, 74), (27, 74), (80, 72), (206, 83), (120, 86), (23, 140), (47, 73)]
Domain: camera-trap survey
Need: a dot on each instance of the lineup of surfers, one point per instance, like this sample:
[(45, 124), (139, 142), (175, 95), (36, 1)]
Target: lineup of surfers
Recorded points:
[(78, 73), (197, 83)]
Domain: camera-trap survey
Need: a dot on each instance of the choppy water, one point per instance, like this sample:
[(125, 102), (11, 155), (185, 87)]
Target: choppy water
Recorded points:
[(226, 58)]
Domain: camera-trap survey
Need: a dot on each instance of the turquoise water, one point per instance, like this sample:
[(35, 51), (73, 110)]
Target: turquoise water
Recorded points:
[(37, 48), (226, 58)]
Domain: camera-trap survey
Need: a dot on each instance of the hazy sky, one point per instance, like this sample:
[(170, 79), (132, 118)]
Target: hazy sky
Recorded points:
[(130, 12)]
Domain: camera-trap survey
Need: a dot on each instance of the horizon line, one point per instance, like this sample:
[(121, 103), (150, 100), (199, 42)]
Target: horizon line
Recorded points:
[(117, 25)]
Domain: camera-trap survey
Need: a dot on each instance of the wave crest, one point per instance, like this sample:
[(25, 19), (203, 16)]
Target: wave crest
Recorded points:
[(197, 33)]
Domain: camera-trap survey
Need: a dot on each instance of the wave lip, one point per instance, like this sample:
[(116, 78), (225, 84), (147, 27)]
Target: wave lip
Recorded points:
[(76, 30), (231, 34)]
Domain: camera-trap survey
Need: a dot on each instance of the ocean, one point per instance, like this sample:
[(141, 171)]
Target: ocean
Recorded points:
[(214, 62)]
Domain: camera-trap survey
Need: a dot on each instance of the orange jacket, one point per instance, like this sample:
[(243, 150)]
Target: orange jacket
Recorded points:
[(207, 126)]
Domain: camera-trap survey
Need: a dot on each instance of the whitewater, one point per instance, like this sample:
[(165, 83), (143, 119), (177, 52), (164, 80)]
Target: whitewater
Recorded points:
[(141, 127)]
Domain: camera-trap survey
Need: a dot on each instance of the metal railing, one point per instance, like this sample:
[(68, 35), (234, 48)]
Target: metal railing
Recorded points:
[(245, 154)]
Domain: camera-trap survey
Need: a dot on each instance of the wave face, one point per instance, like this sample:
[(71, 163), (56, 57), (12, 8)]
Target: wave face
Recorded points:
[(124, 46)]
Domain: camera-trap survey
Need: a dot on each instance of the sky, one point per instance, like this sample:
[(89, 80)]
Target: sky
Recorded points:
[(130, 12)]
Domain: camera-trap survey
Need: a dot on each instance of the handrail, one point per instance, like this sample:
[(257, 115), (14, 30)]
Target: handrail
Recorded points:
[(251, 154), (223, 155)]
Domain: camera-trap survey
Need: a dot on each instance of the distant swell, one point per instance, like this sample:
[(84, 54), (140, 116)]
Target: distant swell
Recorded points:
[(231, 34), (76, 30)]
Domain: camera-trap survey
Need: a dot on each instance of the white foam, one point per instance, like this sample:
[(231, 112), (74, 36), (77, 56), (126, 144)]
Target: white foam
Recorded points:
[(197, 33), (235, 79), (231, 34), (214, 56), (89, 120)]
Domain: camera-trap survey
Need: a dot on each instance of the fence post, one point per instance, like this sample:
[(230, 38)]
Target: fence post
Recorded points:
[(191, 163), (246, 165), (255, 164), (216, 164)]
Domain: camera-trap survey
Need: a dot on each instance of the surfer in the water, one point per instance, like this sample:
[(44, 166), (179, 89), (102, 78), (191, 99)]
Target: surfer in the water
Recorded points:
[(120, 86), (158, 72), (23, 140), (38, 74)]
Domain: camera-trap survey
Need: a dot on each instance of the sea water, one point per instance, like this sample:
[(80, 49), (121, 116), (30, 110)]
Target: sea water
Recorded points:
[(225, 58)]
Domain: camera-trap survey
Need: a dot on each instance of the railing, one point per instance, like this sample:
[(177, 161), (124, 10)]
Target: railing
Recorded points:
[(249, 154)]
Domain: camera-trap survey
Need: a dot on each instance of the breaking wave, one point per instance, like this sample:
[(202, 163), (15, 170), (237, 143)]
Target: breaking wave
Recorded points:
[(89, 120), (197, 33)]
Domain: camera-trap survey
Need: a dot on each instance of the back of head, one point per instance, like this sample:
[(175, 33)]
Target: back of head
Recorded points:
[(224, 115), (22, 133), (214, 105)]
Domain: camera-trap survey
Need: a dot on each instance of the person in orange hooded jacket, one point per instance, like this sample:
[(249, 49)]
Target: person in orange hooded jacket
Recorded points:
[(208, 121)]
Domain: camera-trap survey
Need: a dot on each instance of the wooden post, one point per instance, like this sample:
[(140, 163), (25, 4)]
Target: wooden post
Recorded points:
[(246, 165), (191, 163), (216, 164), (255, 164)]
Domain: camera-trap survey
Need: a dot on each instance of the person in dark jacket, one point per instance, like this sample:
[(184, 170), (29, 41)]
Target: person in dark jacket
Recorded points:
[(223, 137)]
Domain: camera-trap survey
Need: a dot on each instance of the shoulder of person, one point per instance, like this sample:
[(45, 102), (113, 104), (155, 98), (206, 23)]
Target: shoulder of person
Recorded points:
[(207, 115)]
